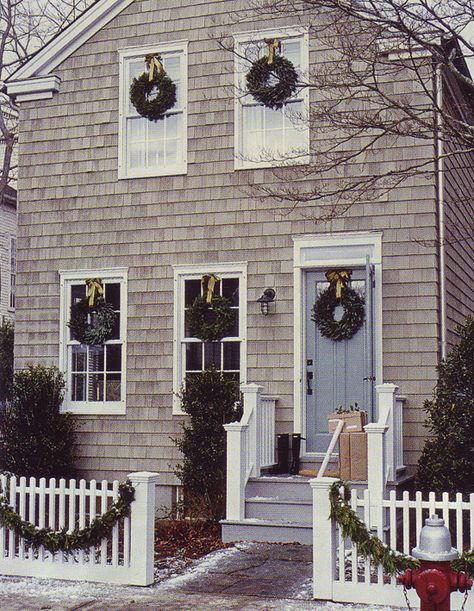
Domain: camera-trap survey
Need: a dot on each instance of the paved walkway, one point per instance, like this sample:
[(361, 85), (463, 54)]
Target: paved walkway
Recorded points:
[(254, 576)]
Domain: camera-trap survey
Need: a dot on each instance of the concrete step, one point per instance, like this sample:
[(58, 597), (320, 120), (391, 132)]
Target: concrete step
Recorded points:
[(279, 510), (265, 531)]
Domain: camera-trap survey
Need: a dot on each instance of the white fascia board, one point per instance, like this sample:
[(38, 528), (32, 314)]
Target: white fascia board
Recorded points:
[(34, 88), (73, 37)]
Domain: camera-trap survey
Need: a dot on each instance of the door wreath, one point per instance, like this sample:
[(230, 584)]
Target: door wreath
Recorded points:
[(338, 293), (210, 321), (264, 71)]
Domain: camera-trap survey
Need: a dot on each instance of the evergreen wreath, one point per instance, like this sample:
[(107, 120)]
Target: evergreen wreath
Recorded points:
[(260, 76), (369, 546), (352, 319), (61, 540), (153, 108), (210, 321), (99, 330)]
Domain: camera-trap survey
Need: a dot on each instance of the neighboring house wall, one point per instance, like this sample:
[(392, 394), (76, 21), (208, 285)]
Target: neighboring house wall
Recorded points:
[(8, 232), (79, 216)]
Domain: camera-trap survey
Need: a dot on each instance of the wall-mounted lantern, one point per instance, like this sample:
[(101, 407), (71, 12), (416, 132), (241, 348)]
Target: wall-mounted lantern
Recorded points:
[(266, 299)]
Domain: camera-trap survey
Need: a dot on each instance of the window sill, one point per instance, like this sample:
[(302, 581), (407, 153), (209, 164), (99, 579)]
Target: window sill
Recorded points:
[(95, 409), (255, 165), (153, 173)]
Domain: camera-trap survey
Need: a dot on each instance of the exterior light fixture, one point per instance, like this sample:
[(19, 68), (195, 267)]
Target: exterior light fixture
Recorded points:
[(264, 301)]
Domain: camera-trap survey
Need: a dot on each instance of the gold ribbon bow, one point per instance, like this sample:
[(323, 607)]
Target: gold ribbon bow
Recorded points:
[(210, 280), (153, 63), (94, 290), (274, 45), (340, 278)]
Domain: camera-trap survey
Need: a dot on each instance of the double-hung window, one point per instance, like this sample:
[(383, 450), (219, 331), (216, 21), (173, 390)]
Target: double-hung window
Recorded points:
[(95, 375), (192, 355), (265, 137), (153, 148)]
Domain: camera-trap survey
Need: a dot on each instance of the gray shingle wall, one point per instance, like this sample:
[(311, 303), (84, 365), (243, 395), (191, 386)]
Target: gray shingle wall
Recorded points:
[(78, 215)]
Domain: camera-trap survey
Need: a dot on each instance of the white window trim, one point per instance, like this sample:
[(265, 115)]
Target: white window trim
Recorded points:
[(67, 277), (190, 272), (311, 252), (249, 36), (12, 273), (124, 54)]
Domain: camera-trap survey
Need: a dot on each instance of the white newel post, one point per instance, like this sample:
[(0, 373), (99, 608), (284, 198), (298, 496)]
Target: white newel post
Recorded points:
[(236, 470), (386, 415), (253, 415), (324, 539), (142, 528), (376, 472)]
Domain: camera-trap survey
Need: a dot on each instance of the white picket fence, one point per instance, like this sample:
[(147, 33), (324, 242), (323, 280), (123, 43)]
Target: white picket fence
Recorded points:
[(126, 557), (341, 575)]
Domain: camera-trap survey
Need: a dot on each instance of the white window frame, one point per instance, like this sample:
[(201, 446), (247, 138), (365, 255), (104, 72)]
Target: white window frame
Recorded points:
[(67, 279), (193, 272), (12, 275), (241, 67), (124, 87)]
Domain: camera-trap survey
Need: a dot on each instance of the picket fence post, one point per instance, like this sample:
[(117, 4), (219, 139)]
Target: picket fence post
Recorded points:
[(324, 539), (142, 528)]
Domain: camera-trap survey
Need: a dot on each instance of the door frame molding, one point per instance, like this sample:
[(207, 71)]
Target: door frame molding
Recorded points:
[(323, 251)]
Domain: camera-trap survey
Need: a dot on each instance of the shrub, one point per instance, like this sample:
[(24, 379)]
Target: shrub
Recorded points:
[(211, 400), (37, 440), (447, 461), (6, 361)]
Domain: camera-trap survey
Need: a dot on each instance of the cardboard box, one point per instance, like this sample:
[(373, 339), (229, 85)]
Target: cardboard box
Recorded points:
[(353, 456), (353, 421)]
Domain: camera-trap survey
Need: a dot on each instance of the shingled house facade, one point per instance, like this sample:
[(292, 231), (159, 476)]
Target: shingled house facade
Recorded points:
[(151, 207)]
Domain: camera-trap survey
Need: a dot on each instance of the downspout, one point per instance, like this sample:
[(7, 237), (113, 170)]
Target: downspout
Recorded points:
[(439, 168)]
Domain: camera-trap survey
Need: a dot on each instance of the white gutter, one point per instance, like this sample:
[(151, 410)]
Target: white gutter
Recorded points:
[(440, 198)]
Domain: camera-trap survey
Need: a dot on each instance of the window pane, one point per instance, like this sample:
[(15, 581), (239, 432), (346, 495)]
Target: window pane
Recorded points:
[(230, 289), (114, 357), (156, 153), (192, 289), (96, 387), (113, 387), (212, 354), (194, 356), (234, 332), (96, 358), (291, 50), (112, 294), (79, 358), (273, 119), (78, 292), (78, 387), (231, 355)]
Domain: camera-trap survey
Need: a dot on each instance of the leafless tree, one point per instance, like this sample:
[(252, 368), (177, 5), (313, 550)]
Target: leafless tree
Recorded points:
[(375, 85), (25, 26)]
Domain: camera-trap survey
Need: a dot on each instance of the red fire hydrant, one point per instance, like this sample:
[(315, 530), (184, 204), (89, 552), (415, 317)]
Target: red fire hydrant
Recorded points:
[(435, 580)]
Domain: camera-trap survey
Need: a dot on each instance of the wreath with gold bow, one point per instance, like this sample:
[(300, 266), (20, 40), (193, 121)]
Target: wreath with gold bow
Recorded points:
[(210, 317), (338, 293), (153, 92), (273, 79), (92, 319)]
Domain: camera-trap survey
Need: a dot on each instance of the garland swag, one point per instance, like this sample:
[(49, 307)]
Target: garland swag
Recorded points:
[(368, 545), (352, 319), (61, 540), (99, 330), (153, 108), (272, 80), (210, 321)]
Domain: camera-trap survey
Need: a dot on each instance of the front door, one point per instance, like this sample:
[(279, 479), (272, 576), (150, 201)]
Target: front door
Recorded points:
[(337, 372)]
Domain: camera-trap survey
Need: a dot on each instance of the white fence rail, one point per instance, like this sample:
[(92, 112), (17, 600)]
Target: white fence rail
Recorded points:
[(250, 446), (342, 575), (126, 557)]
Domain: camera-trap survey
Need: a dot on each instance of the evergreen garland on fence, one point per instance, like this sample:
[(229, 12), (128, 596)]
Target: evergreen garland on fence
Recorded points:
[(465, 563), (368, 545), (61, 540)]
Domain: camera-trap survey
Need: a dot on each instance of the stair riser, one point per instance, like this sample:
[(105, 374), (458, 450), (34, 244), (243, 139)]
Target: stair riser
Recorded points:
[(272, 534), (302, 514), (290, 490)]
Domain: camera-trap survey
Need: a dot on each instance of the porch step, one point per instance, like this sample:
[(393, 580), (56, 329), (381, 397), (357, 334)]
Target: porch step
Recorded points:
[(279, 510), (266, 531), (281, 487)]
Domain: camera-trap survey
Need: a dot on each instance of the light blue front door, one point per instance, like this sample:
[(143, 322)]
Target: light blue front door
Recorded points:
[(337, 372)]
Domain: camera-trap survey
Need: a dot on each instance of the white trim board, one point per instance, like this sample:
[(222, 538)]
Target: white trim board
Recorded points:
[(328, 250)]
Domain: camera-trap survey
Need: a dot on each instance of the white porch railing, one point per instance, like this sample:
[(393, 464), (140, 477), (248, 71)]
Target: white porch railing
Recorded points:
[(126, 557), (340, 574), (250, 446)]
